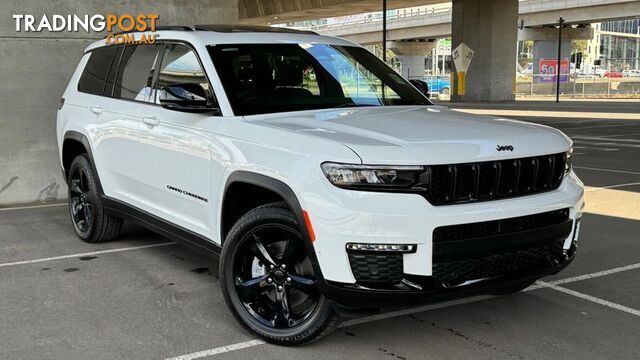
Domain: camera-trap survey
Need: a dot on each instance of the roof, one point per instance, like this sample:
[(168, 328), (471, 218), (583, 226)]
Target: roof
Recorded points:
[(229, 28), (204, 35)]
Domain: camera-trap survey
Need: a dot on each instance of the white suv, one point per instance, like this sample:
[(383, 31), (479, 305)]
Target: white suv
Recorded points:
[(324, 182)]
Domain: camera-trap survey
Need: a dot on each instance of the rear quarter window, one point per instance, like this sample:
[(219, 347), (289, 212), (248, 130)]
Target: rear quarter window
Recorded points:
[(95, 72)]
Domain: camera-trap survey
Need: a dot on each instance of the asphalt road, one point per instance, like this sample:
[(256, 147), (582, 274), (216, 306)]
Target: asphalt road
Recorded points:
[(150, 299)]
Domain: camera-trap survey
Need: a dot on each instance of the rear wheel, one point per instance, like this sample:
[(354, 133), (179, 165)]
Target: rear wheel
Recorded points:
[(445, 91), (89, 219), (268, 281)]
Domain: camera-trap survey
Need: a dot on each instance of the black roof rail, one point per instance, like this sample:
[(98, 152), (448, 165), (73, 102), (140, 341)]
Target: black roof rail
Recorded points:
[(226, 29), (158, 28), (250, 28)]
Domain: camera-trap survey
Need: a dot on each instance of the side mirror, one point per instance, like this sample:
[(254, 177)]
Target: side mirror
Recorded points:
[(422, 86), (187, 97)]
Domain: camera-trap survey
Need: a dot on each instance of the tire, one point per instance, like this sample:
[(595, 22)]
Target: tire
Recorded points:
[(444, 91), (254, 289), (90, 221), (513, 288)]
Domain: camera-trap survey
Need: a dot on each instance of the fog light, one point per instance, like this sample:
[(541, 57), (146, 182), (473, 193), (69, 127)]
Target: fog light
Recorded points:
[(398, 248)]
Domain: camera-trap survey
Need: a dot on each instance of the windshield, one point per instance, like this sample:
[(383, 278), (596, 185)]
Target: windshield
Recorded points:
[(269, 78)]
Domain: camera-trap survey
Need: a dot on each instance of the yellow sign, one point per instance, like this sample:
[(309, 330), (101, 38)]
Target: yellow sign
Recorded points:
[(461, 82)]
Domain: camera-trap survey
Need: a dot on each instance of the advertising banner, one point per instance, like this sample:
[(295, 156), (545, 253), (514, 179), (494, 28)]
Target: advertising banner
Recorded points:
[(548, 70)]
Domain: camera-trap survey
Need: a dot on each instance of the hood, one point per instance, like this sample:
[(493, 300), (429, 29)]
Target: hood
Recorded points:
[(422, 135)]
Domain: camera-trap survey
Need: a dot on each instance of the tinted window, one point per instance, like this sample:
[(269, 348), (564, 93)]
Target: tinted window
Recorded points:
[(95, 72), (135, 74), (111, 78), (180, 65), (268, 78)]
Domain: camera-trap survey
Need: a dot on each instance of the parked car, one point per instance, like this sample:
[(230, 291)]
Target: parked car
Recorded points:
[(438, 84), (631, 73), (612, 74), (320, 196)]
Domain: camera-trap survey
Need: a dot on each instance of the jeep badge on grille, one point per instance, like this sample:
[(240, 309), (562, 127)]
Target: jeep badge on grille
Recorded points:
[(504, 148)]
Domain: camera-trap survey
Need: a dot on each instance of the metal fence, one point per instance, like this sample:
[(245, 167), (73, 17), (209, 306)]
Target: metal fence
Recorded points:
[(578, 86)]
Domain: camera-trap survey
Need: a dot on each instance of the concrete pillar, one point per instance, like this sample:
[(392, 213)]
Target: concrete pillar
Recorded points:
[(489, 28), (412, 54), (35, 69)]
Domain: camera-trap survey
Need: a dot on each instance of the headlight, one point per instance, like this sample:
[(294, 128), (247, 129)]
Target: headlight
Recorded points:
[(372, 176), (568, 161)]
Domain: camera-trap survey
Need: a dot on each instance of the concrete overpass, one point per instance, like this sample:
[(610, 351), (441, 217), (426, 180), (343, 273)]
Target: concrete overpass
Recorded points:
[(436, 23), (30, 169)]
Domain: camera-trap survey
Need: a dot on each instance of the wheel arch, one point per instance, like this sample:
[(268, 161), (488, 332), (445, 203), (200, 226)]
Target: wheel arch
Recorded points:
[(284, 192), (76, 143)]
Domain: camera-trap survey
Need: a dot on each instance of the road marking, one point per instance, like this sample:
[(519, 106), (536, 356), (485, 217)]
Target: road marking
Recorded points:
[(32, 207), (219, 350), (53, 258), (592, 299), (612, 202), (602, 138), (615, 144), (567, 129), (616, 135), (609, 170), (553, 114), (610, 186), (538, 285), (596, 274)]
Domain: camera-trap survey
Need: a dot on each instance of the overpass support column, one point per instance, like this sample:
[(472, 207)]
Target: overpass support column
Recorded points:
[(489, 28), (411, 54)]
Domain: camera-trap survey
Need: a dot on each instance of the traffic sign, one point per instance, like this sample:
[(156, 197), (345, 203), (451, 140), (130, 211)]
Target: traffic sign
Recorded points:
[(462, 56)]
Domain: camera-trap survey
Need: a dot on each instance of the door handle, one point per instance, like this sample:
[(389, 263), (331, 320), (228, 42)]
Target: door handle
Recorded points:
[(96, 110), (151, 120)]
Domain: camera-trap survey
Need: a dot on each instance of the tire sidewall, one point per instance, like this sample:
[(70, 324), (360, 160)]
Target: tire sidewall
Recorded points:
[(82, 162)]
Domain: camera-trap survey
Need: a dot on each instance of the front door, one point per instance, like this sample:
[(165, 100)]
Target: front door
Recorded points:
[(178, 149)]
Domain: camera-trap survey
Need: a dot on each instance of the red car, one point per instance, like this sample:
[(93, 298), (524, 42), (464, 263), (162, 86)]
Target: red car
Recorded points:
[(613, 74)]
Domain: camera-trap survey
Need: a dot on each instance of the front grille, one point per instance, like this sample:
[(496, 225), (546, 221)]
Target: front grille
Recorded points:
[(455, 272), (499, 227), (464, 183), (372, 267)]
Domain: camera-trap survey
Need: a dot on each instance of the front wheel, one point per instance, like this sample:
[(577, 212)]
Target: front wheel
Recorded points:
[(268, 281)]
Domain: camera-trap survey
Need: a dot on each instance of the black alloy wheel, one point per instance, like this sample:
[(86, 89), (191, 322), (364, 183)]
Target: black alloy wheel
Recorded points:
[(80, 204), (273, 277), (268, 280), (90, 220)]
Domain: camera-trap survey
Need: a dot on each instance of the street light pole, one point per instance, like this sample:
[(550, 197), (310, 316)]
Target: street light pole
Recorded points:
[(560, 22), (384, 30)]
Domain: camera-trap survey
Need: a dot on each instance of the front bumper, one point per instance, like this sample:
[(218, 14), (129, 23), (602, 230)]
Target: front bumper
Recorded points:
[(341, 216), (355, 296)]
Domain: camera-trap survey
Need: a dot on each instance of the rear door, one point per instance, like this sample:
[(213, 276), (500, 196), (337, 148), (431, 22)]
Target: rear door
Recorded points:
[(128, 97), (109, 132)]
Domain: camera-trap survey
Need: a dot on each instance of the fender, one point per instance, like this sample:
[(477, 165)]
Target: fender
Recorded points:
[(284, 191), (81, 138)]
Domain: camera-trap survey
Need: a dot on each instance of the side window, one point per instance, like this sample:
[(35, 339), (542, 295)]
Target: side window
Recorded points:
[(95, 72), (111, 79), (135, 75), (180, 66)]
